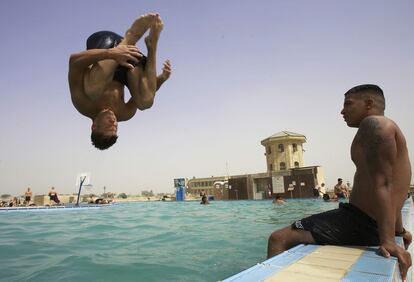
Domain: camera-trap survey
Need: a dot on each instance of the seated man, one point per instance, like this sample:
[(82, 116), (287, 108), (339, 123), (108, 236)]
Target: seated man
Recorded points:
[(98, 75), (14, 202), (381, 181), (53, 196), (340, 189)]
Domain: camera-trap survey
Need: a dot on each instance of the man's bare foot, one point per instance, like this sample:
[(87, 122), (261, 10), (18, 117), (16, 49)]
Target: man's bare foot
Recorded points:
[(155, 30), (139, 27)]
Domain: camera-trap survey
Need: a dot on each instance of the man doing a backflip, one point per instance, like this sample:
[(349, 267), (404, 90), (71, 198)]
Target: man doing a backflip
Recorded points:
[(98, 75)]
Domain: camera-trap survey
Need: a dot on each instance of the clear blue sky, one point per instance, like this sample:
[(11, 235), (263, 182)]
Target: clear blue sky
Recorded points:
[(242, 71)]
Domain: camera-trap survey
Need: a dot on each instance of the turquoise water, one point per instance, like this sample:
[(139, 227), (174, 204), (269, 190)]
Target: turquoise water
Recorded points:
[(144, 241)]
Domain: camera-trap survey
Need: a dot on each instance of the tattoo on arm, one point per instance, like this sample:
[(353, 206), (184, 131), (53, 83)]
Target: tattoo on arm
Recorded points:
[(370, 139)]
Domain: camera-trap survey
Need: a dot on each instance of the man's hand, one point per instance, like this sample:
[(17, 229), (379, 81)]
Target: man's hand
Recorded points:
[(166, 70), (125, 55), (388, 249), (407, 238)]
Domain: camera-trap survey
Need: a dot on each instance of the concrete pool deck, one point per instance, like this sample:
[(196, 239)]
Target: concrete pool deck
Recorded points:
[(331, 263)]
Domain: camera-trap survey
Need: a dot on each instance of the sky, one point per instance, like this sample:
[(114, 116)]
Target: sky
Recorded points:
[(242, 71)]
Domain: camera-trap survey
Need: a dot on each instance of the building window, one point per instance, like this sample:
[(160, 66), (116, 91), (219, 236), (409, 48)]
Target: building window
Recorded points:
[(271, 167), (282, 166), (296, 164), (268, 150), (281, 148), (295, 147)]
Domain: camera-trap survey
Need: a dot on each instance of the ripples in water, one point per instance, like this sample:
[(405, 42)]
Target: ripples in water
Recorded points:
[(149, 241)]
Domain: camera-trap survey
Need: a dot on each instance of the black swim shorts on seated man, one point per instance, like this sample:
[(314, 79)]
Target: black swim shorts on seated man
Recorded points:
[(347, 225)]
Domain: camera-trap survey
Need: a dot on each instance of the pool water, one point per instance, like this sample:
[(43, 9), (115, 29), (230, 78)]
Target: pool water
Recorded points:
[(143, 241)]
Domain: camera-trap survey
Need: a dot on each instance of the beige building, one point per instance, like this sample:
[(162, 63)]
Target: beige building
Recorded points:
[(214, 186), (284, 150), (286, 174)]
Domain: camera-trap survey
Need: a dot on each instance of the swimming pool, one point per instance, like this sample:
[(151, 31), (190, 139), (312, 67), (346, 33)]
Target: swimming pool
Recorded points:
[(143, 241)]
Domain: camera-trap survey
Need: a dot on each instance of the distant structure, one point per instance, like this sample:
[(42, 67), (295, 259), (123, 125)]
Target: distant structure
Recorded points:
[(179, 185), (286, 175), (284, 151), (214, 186)]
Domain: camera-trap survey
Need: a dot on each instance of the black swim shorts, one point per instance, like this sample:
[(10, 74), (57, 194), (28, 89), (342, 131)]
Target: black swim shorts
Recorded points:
[(346, 225)]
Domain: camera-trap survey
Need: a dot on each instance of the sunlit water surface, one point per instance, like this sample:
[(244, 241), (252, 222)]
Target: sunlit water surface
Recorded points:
[(144, 241)]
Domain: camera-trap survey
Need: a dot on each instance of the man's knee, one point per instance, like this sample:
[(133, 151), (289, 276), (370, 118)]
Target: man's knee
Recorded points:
[(277, 243), (145, 104), (288, 237), (277, 238), (274, 237)]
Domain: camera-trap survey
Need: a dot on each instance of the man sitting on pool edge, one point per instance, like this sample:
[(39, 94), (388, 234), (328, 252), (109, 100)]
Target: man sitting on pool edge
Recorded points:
[(53, 196), (98, 75), (381, 181)]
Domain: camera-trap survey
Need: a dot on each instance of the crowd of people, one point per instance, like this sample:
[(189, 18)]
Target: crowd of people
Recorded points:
[(340, 191), (27, 199)]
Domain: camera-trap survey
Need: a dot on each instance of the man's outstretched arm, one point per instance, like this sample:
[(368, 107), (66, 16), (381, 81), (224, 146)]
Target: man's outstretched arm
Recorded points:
[(121, 54), (94, 68), (380, 153)]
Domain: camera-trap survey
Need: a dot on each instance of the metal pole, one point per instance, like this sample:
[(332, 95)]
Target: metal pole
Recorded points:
[(80, 188)]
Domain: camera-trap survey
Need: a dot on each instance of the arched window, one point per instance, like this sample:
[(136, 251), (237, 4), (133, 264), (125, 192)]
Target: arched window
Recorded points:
[(296, 164), (282, 166), (281, 148), (295, 147)]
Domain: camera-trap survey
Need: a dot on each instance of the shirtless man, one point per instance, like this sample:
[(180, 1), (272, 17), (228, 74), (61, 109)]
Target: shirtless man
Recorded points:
[(341, 190), (97, 77), (28, 196), (53, 196), (381, 181)]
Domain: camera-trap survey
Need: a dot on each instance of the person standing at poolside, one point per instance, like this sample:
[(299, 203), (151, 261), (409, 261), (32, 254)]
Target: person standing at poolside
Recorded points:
[(27, 196), (98, 75), (381, 181)]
